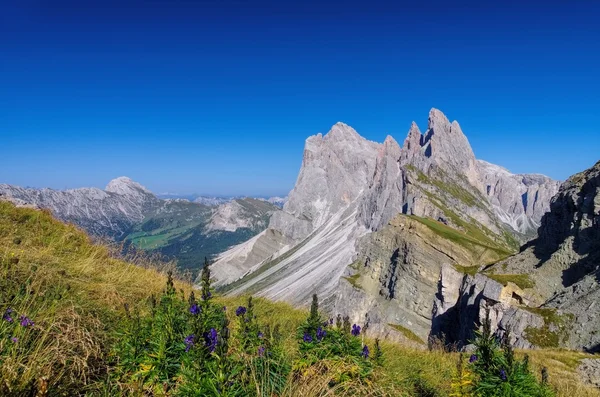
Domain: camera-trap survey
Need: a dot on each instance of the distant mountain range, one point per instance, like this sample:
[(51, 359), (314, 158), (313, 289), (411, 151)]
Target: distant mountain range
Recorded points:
[(177, 228), (218, 200)]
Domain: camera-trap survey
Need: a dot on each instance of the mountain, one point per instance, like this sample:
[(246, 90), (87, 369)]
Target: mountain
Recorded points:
[(109, 212), (370, 226), (176, 228)]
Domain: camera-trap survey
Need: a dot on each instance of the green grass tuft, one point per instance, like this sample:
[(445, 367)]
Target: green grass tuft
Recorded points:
[(407, 333), (353, 280), (554, 331), (470, 270), (522, 281)]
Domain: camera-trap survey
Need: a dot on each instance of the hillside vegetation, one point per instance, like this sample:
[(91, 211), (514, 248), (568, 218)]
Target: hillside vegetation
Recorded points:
[(77, 321)]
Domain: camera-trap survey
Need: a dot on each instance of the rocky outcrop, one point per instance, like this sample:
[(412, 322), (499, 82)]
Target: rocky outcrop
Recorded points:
[(405, 278), (564, 263), (463, 301)]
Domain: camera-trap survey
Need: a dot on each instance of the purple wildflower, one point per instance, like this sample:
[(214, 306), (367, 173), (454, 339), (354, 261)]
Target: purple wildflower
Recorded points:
[(365, 351), (206, 296), (503, 375), (355, 330), (211, 339), (260, 335), (473, 358), (195, 309), (26, 322), (6, 317), (321, 334), (261, 351), (240, 311), (189, 342), (331, 321), (224, 308), (307, 338), (14, 339)]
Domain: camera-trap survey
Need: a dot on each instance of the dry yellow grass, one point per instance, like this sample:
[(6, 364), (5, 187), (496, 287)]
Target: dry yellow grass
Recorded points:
[(75, 291)]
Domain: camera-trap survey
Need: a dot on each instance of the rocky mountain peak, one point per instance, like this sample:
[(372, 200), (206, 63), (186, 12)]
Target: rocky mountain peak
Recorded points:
[(342, 132), (414, 138), (126, 186), (437, 119), (446, 145), (391, 145)]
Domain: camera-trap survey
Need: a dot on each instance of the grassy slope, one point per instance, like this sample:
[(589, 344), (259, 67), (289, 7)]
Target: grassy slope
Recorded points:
[(75, 292)]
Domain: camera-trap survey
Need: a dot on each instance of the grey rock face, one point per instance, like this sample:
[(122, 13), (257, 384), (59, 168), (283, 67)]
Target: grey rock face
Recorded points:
[(463, 301), (318, 221), (385, 195), (589, 369), (446, 145), (336, 169), (519, 200)]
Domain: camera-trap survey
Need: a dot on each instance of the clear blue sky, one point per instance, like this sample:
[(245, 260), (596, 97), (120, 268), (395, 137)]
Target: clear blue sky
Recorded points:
[(217, 97)]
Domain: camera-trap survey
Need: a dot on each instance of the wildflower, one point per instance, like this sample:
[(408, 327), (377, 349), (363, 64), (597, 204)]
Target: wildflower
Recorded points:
[(307, 338), (503, 375), (261, 351), (189, 342), (240, 311), (320, 334), (6, 317), (355, 330), (365, 351), (260, 335), (473, 358), (331, 321), (211, 339), (26, 322), (195, 309), (206, 296), (14, 339), (224, 308)]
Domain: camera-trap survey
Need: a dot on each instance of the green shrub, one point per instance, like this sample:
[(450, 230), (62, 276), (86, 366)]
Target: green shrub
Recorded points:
[(182, 348), (497, 372), (323, 341)]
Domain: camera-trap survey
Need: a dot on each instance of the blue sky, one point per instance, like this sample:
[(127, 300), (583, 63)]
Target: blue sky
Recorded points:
[(217, 97)]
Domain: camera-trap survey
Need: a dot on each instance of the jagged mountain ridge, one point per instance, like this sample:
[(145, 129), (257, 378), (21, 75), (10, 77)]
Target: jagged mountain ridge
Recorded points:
[(348, 187), (127, 211), (109, 212)]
